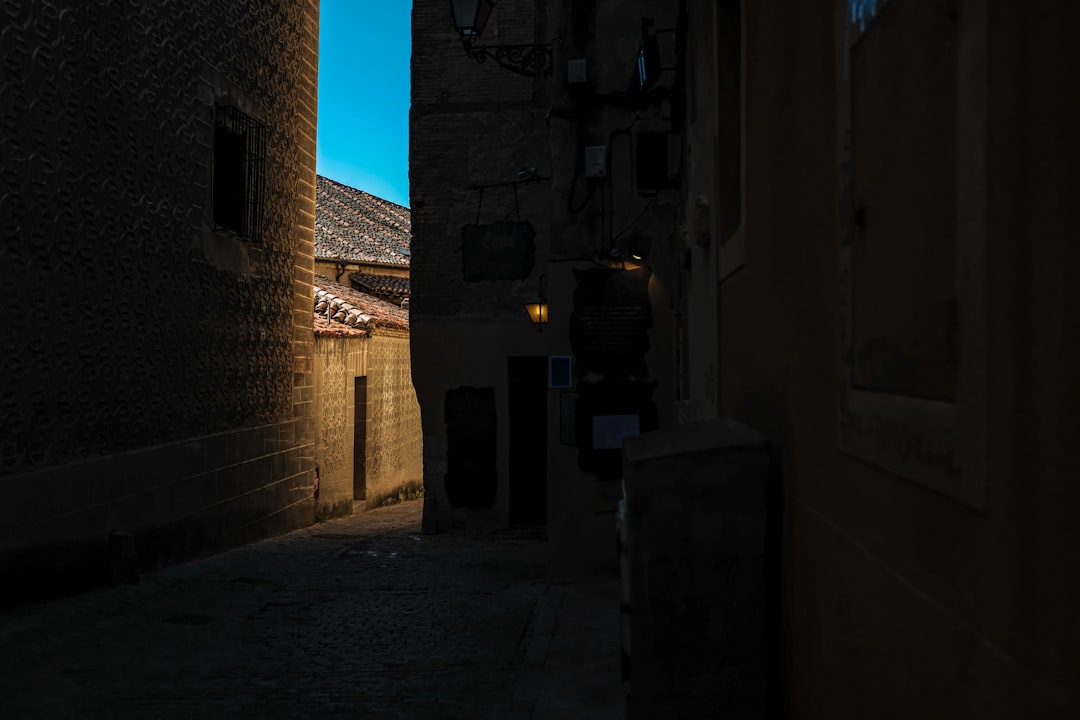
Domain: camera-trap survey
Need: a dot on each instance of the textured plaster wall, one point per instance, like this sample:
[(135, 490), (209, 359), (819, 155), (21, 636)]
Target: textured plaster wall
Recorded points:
[(338, 361), (161, 383), (903, 602), (498, 339), (331, 270), (395, 450), (394, 468)]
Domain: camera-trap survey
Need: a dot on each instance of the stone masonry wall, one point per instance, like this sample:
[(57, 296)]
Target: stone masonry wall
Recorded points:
[(162, 383), (488, 145)]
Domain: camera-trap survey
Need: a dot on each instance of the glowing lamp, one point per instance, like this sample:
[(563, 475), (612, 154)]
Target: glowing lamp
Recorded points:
[(538, 311)]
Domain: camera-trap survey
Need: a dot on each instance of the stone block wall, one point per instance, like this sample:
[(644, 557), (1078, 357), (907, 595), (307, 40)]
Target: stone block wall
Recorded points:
[(306, 127), (702, 591), (162, 383)]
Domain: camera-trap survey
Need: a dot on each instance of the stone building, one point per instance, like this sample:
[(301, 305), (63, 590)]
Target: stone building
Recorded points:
[(854, 222), (362, 240), (504, 209), (157, 210), (368, 441)]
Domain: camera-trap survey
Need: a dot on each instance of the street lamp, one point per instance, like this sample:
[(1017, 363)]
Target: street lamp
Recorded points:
[(470, 17), (538, 311), (537, 308)]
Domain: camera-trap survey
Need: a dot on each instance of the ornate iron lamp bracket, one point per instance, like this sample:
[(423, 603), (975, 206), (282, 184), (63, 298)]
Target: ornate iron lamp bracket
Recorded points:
[(527, 60)]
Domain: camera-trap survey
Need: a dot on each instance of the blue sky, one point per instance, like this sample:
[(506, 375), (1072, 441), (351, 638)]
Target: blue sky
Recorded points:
[(363, 139)]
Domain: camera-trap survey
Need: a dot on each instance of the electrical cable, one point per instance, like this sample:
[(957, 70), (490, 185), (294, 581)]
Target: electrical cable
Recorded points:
[(630, 224)]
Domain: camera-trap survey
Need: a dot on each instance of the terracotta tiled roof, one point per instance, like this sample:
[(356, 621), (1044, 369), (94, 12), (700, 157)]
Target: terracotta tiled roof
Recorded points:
[(388, 287), (354, 226), (353, 312)]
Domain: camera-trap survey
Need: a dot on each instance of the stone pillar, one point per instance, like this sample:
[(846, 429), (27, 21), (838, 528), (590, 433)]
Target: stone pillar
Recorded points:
[(696, 511)]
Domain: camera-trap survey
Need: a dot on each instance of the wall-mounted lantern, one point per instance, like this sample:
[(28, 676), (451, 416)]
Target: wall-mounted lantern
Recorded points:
[(470, 17), (538, 311), (647, 65), (537, 308), (630, 251)]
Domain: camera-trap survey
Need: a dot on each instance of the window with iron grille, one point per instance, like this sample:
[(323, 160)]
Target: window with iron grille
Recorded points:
[(239, 161)]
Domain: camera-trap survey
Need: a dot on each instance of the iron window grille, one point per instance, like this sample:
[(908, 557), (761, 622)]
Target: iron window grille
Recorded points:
[(239, 165)]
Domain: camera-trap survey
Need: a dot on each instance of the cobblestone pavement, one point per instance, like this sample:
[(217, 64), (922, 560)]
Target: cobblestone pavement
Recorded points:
[(362, 617)]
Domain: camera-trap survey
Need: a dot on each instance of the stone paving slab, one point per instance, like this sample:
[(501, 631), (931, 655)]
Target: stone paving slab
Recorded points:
[(361, 617), (581, 673)]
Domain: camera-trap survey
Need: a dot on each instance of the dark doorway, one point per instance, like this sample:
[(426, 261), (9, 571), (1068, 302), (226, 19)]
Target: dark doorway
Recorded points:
[(528, 440), (360, 439), (472, 479)]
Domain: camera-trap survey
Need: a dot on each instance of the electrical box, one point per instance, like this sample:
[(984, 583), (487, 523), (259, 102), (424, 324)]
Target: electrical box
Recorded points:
[(577, 71), (596, 161)]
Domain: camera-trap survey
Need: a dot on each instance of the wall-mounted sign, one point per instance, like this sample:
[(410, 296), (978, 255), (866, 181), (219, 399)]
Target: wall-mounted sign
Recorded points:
[(607, 412), (609, 431), (610, 321), (560, 371), (499, 251)]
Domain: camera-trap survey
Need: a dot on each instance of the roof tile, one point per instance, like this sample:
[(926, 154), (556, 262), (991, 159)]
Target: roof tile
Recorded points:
[(344, 311), (355, 226), (389, 287)]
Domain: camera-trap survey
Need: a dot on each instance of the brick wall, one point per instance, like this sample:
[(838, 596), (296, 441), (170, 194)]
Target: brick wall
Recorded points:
[(442, 75)]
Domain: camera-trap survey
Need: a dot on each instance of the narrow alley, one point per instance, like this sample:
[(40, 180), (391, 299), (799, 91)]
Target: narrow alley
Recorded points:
[(361, 617)]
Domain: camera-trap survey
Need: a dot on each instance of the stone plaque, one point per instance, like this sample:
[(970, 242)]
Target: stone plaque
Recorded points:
[(610, 322)]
